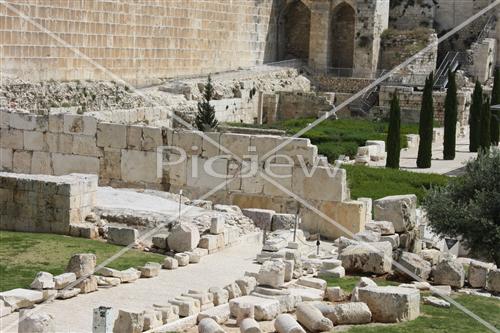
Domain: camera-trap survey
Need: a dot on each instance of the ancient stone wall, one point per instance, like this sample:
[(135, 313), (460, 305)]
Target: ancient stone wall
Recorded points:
[(483, 56), (410, 14), (292, 105), (127, 156), (137, 41), (37, 203)]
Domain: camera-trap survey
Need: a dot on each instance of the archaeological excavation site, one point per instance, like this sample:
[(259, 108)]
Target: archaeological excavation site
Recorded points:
[(249, 166)]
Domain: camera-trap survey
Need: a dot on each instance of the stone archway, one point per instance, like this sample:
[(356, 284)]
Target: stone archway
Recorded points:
[(294, 25), (342, 26)]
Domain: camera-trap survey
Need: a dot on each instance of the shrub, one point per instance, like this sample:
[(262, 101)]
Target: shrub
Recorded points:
[(450, 118), (394, 135), (495, 115), (424, 158), (475, 117), (205, 118), (485, 138), (469, 206)]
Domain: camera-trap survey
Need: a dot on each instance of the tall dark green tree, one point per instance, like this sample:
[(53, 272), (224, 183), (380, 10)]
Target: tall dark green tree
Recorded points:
[(205, 118), (426, 125), (450, 118), (394, 134), (475, 117), (495, 114), (485, 138)]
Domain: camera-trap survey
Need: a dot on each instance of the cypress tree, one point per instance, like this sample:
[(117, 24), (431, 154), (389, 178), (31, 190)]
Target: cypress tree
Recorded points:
[(495, 114), (394, 134), (450, 118), (205, 118), (426, 125), (475, 117), (485, 139)]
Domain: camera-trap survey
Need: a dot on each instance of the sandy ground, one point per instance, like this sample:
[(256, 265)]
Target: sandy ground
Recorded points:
[(219, 269)]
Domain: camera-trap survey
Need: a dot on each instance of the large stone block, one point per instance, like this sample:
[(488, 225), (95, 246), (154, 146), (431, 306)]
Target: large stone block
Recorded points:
[(207, 174), (493, 281), (367, 258), (64, 164), (261, 217), (122, 236), (6, 155), (151, 138), (272, 273), (41, 163), (76, 124), (415, 265), (82, 264), (129, 322), (21, 298), (391, 304), (11, 138), (279, 180), (449, 272), (264, 309), (21, 161), (111, 135), (34, 140), (237, 144), (43, 280), (478, 272), (140, 166), (322, 184), (22, 121), (283, 221), (36, 322), (398, 209), (312, 318), (85, 145), (183, 237)]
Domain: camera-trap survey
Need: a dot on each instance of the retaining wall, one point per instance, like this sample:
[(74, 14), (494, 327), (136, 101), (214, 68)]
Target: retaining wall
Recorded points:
[(127, 156)]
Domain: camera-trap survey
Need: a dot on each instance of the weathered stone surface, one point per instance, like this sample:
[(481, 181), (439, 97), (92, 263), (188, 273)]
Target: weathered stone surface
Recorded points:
[(169, 312), (122, 236), (182, 259), (217, 225), (264, 309), (285, 323), (245, 311), (36, 322), (344, 242), (282, 221), (130, 275), (312, 318), (272, 273), (21, 298), (335, 294), (110, 272), (367, 236), (363, 282), (249, 325), (493, 281), (187, 306), (184, 237), (449, 272), (129, 322), (367, 258), (106, 281), (5, 309), (82, 264), (247, 284), (170, 263), (307, 294), (393, 239), (441, 290), (220, 314), (87, 285), (208, 325), (150, 269), (288, 302), (334, 273), (398, 209), (275, 244), (348, 313), (384, 228), (233, 290), (289, 267), (261, 217), (203, 297), (68, 293), (43, 280), (478, 272), (220, 296), (431, 255), (160, 241), (152, 319), (391, 304), (437, 302), (415, 265), (312, 283)]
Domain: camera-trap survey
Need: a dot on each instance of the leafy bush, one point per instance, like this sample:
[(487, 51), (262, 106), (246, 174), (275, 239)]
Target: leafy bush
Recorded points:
[(469, 207)]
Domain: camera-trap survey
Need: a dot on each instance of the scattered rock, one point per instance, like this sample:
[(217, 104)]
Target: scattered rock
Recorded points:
[(264, 309), (367, 258), (450, 273), (312, 318), (246, 284), (272, 273), (122, 236), (385, 228), (160, 241), (129, 321), (152, 319), (283, 222), (82, 264), (349, 313), (21, 298), (208, 325), (367, 236), (312, 283), (398, 209), (63, 280), (261, 217), (233, 290), (249, 325), (493, 281), (150, 269), (170, 263), (43, 280), (335, 294), (437, 302), (182, 259), (36, 322), (285, 323), (478, 272), (415, 265), (183, 237), (87, 285), (68, 293)]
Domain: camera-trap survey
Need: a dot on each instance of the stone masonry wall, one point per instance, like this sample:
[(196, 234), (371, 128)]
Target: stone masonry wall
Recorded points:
[(137, 40), (127, 156), (410, 14), (49, 204)]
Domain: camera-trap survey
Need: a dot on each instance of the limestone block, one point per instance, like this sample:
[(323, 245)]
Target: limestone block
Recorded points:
[(415, 265), (5, 309), (134, 137), (43, 280), (367, 258), (385, 228), (335, 273), (249, 325), (279, 179), (196, 255), (129, 275), (111, 135), (151, 138), (261, 217), (312, 319), (206, 174), (190, 141), (283, 221), (203, 297), (67, 293), (187, 306), (210, 146), (87, 285), (391, 304), (64, 164), (217, 225), (264, 309), (367, 236), (493, 280), (56, 123), (110, 164), (246, 284), (21, 161), (335, 294), (170, 263), (122, 235), (160, 241), (169, 312), (349, 314), (235, 144), (84, 230), (325, 184), (22, 121), (34, 140), (437, 302), (478, 272), (368, 203), (209, 242), (36, 322), (183, 237), (431, 255), (245, 311), (393, 239), (41, 163), (220, 296), (63, 280), (220, 314), (182, 259), (11, 138), (285, 323), (76, 124), (449, 272), (312, 283), (275, 244), (152, 319), (233, 290), (104, 281), (129, 321), (272, 273), (398, 209), (252, 182), (82, 264), (4, 119), (289, 267), (59, 143), (441, 290), (85, 145), (150, 269), (307, 294), (6, 155), (208, 325), (21, 298), (139, 166), (110, 272)]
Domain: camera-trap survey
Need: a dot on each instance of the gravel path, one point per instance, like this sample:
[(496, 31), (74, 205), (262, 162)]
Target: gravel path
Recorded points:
[(75, 315)]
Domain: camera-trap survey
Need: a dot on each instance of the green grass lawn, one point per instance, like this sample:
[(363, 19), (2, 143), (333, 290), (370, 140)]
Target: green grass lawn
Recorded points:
[(433, 319), (23, 254), (339, 137), (376, 183)]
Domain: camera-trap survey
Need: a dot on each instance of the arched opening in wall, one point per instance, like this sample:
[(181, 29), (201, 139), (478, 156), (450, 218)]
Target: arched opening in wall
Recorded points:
[(342, 26), (294, 25)]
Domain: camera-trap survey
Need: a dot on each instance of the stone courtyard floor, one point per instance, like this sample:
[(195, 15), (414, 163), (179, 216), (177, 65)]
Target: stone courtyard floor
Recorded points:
[(219, 269)]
